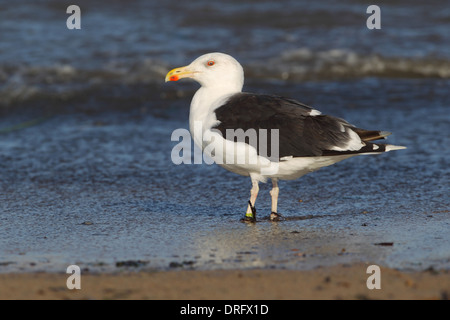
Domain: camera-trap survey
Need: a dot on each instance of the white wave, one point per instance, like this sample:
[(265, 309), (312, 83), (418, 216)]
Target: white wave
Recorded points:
[(304, 63)]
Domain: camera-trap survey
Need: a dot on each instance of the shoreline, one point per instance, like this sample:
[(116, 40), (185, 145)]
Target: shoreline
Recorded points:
[(335, 282)]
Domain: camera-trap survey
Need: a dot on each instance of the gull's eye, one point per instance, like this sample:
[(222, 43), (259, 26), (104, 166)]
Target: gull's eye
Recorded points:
[(210, 63)]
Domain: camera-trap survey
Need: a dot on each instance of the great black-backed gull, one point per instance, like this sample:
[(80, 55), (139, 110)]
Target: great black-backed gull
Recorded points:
[(291, 139)]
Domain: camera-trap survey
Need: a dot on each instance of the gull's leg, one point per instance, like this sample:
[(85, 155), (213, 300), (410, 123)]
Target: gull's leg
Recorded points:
[(274, 216), (251, 211), (274, 193)]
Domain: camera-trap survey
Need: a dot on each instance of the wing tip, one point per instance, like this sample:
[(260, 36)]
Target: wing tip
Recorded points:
[(391, 147)]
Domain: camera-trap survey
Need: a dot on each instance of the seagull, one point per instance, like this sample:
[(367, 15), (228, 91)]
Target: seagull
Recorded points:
[(238, 129)]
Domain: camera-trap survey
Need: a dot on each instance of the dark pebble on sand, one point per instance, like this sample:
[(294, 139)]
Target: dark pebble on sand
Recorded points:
[(386, 244), (174, 264), (131, 263)]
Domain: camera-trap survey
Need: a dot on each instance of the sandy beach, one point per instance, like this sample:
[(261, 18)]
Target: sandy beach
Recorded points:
[(337, 282)]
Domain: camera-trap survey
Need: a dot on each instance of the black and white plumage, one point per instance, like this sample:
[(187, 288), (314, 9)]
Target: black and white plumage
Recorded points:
[(305, 140), (321, 135)]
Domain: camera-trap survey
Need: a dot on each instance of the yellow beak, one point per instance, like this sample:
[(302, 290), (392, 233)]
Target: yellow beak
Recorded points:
[(179, 73)]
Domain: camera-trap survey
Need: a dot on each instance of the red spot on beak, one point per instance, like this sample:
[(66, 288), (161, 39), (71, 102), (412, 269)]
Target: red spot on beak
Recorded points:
[(174, 78)]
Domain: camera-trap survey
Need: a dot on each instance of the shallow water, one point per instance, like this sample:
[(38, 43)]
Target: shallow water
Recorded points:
[(85, 171)]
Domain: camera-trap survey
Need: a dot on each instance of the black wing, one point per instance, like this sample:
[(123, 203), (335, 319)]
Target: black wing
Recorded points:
[(302, 131)]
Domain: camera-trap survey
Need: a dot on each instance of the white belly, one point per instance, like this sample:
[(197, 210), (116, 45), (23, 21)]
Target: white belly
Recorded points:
[(243, 159)]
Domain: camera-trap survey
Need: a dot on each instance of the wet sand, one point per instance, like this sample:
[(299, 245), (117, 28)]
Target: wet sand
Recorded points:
[(336, 282)]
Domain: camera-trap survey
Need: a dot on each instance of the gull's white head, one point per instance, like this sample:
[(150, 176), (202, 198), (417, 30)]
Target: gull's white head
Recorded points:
[(212, 70)]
